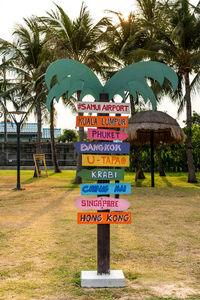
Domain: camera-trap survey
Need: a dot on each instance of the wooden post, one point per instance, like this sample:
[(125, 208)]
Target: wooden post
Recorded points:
[(103, 248), (103, 231), (152, 157)]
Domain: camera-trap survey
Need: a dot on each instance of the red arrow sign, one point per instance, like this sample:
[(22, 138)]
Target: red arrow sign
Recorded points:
[(106, 135)]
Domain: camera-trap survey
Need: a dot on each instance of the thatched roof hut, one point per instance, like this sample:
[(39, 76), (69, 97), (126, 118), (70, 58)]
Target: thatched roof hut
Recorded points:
[(166, 129), (154, 127)]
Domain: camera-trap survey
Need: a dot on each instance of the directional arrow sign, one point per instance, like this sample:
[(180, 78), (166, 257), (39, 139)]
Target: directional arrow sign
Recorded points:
[(102, 147), (101, 121), (100, 107), (105, 160), (105, 188), (102, 174), (106, 134), (102, 203), (104, 218)]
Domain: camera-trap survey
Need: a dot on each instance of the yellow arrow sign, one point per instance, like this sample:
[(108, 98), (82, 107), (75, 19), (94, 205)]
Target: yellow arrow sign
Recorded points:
[(105, 160)]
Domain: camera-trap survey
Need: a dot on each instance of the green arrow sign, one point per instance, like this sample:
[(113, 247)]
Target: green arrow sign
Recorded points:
[(102, 174)]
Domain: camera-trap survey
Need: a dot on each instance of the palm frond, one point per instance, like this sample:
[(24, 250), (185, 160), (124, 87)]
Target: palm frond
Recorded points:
[(194, 87), (195, 84), (71, 103), (133, 80), (71, 76)]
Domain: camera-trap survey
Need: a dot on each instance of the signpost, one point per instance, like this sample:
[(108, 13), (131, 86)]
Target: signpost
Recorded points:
[(106, 134), (102, 203), (102, 147), (101, 121), (104, 218), (73, 76), (105, 188), (102, 174), (102, 107), (105, 160)]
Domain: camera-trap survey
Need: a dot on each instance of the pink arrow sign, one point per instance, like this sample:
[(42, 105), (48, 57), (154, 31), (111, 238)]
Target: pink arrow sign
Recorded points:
[(106, 135), (102, 203)]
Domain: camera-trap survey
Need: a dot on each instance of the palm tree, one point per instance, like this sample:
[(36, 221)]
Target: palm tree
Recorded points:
[(126, 40), (7, 95), (53, 146), (29, 56), (178, 45), (3, 100), (121, 39), (123, 36), (4, 86), (78, 40), (151, 11)]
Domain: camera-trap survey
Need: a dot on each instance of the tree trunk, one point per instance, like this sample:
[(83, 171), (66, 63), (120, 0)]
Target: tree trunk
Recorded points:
[(190, 161), (5, 125), (132, 103), (78, 179), (5, 146), (160, 162), (139, 172), (53, 145), (5, 142), (39, 128)]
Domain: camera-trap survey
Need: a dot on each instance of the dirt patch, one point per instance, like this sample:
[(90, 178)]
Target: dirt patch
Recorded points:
[(178, 290)]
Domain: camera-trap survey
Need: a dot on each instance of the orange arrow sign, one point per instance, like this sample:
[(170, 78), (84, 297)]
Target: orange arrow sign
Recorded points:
[(105, 160), (104, 218), (101, 121)]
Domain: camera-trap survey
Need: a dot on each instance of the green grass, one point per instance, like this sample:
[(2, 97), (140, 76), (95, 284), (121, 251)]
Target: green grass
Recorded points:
[(43, 249)]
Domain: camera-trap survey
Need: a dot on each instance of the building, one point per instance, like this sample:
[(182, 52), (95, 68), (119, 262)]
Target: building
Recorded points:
[(66, 154), (28, 132)]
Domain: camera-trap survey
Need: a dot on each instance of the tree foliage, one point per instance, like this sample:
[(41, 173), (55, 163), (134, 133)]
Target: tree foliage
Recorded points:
[(69, 135), (166, 31)]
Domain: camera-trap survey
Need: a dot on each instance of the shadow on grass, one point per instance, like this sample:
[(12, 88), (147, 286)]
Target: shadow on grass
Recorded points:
[(166, 181), (42, 211), (30, 180), (184, 179), (43, 176), (53, 173), (34, 179), (139, 183)]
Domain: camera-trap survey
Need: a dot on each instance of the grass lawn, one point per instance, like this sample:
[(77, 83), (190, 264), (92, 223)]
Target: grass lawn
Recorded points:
[(43, 249)]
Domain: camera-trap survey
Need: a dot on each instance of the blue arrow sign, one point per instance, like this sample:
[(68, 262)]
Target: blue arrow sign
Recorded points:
[(102, 147), (105, 188)]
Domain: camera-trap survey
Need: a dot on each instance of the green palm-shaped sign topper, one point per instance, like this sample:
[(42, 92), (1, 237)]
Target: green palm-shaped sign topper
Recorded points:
[(72, 76)]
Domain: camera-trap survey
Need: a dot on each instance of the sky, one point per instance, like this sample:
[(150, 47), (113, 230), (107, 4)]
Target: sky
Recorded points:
[(13, 12)]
